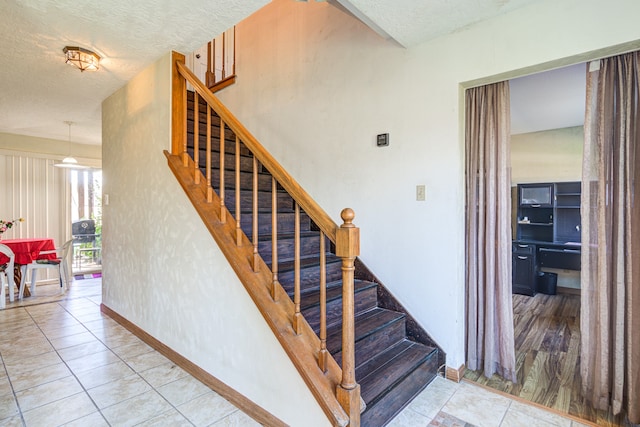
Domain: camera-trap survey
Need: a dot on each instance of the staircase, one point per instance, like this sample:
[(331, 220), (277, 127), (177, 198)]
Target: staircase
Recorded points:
[(395, 359)]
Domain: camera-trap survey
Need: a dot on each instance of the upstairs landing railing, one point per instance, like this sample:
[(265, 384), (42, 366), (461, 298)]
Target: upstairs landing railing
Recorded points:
[(346, 391)]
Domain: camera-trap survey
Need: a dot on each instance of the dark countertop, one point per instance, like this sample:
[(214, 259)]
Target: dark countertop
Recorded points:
[(564, 245)]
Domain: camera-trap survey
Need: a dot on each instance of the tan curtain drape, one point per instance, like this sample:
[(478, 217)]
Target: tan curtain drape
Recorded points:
[(610, 278), (490, 342)]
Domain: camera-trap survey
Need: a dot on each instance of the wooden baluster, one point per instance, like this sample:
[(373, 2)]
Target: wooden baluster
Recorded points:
[(178, 110), (196, 138), (255, 214), (224, 60), (209, 188), (208, 79), (297, 316), (238, 229), (348, 248), (274, 237), (185, 153), (214, 62), (223, 210), (322, 356)]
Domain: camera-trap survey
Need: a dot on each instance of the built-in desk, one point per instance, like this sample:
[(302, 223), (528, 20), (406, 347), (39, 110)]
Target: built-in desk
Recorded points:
[(548, 233), (529, 256)]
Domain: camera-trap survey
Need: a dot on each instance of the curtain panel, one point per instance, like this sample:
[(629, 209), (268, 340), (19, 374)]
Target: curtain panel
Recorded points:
[(490, 336), (610, 277)]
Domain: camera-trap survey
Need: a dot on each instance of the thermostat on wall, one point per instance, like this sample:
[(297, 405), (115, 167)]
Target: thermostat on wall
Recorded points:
[(382, 140)]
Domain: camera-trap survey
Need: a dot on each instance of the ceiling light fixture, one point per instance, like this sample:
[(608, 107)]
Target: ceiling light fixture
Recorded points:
[(69, 162), (82, 58)]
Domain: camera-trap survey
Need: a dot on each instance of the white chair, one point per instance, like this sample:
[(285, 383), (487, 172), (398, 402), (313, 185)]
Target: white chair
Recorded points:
[(59, 263), (6, 271)]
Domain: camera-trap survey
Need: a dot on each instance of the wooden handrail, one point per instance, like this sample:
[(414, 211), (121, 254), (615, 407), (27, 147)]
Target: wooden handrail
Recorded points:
[(308, 205)]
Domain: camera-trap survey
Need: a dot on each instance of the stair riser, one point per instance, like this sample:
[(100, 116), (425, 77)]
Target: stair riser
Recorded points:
[(285, 202), (309, 246), (229, 146), (364, 300), (310, 277), (383, 410), (246, 179), (202, 115), (286, 223), (246, 163), (377, 341)]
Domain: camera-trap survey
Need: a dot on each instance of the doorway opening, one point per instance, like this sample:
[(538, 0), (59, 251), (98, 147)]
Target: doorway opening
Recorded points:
[(86, 221), (546, 153)]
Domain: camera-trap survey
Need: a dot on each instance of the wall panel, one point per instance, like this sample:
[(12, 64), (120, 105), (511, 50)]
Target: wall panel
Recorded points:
[(31, 188)]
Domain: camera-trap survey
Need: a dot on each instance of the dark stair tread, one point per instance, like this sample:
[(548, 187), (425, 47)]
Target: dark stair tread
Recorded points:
[(312, 261), (289, 235), (390, 404), (389, 368), (366, 324), (311, 298)]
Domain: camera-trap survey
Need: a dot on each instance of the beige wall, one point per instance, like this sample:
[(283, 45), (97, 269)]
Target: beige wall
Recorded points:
[(162, 269), (316, 86), (548, 156)]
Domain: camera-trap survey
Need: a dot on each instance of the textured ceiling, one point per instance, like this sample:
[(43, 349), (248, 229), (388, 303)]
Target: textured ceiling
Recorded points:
[(410, 22), (38, 91)]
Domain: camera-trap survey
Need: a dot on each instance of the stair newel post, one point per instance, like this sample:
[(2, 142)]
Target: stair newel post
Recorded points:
[(274, 236), (254, 211), (297, 316), (208, 161), (238, 229), (196, 138), (223, 213), (348, 248), (178, 110), (322, 356)]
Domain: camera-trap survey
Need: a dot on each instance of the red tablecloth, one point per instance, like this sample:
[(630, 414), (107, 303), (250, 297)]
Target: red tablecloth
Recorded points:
[(28, 250)]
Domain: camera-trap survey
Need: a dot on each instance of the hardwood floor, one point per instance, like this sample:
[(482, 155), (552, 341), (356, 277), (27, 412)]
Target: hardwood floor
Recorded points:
[(547, 345)]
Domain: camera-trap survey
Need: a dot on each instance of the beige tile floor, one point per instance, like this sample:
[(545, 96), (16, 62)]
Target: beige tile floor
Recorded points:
[(65, 363), (464, 404)]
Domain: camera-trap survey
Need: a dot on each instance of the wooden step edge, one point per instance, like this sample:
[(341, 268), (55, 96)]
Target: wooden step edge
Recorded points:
[(304, 234), (361, 335), (390, 404), (391, 375), (312, 261), (394, 317), (302, 349), (364, 369), (359, 286)]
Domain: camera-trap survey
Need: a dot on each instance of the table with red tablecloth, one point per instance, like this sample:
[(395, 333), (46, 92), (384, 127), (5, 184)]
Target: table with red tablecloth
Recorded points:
[(27, 251)]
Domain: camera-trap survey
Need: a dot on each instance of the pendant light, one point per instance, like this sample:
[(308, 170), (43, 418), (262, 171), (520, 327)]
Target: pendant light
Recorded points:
[(69, 162)]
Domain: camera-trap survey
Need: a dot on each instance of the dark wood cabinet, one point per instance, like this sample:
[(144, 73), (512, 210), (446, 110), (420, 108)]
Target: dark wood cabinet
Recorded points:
[(567, 212), (547, 231), (523, 268)]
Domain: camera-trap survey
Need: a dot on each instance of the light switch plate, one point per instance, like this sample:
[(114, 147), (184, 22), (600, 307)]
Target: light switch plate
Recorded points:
[(421, 193), (382, 140)]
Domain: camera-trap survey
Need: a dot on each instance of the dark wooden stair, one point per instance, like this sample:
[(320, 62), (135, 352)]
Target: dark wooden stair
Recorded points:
[(391, 367)]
